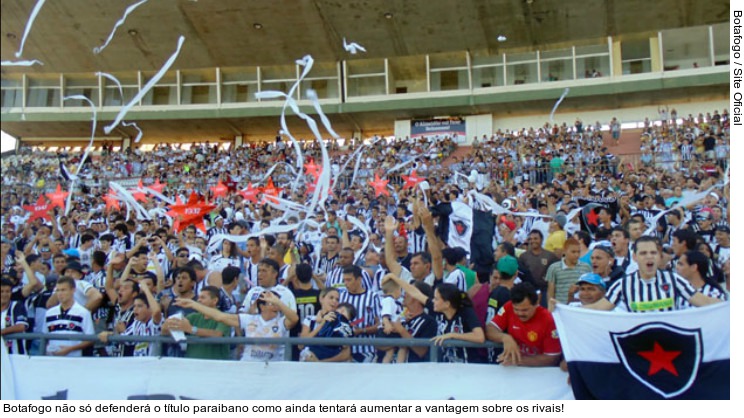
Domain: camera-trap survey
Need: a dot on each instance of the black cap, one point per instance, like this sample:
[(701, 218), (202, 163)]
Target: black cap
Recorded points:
[(73, 265)]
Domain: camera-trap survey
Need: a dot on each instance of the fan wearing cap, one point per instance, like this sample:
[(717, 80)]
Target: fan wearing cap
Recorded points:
[(703, 225), (218, 228), (526, 330), (722, 251), (592, 288)]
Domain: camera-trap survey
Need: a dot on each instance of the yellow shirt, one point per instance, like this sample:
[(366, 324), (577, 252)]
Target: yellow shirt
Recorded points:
[(555, 241)]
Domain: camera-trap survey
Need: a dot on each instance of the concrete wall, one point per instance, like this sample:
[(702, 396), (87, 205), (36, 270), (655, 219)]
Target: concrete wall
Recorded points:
[(636, 114)]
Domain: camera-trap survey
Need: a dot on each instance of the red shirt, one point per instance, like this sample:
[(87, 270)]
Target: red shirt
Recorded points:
[(536, 336)]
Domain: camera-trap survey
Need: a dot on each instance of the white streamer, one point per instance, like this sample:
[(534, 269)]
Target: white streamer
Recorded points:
[(121, 93), (146, 88), (131, 202), (563, 96), (353, 47), (87, 149), (401, 165), (130, 9), (29, 23), (694, 198), (135, 126), (216, 240), (26, 63)]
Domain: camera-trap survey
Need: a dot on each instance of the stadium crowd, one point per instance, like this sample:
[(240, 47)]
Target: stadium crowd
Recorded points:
[(572, 224)]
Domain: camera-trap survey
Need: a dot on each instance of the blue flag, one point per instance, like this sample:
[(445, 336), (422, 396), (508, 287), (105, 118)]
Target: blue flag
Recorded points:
[(666, 355)]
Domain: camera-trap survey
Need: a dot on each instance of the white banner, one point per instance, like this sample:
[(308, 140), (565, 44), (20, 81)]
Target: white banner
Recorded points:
[(174, 378)]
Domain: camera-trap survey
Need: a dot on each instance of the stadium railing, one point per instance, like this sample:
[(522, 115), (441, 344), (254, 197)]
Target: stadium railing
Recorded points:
[(287, 341)]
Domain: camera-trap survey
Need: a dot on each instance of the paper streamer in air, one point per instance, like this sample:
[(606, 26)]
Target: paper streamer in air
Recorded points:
[(365, 230), (125, 196), (87, 149), (560, 99), (353, 47), (121, 93), (150, 84), (26, 63), (29, 24), (401, 165), (491, 205), (216, 240), (130, 9), (689, 200)]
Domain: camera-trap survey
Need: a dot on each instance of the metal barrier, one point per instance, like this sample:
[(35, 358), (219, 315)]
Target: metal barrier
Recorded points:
[(287, 341)]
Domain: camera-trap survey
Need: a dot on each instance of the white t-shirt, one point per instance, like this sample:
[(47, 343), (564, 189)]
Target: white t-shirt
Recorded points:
[(285, 295), (77, 320), (81, 288), (256, 326)]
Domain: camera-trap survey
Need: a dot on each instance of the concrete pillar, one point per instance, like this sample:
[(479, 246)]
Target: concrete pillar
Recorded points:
[(657, 63), (617, 59), (402, 128), (477, 126)]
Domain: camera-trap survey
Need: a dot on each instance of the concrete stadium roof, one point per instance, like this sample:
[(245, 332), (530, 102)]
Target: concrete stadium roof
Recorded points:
[(241, 33), (226, 33)]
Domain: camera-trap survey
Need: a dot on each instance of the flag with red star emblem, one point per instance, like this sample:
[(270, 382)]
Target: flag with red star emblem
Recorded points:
[(667, 355), (380, 186), (39, 209), (590, 208), (58, 197), (190, 213), (411, 181)]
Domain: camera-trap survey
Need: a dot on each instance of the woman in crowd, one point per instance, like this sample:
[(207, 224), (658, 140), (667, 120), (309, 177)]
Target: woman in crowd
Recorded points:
[(228, 257)]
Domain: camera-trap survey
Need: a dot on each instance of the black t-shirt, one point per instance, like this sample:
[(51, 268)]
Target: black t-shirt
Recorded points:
[(496, 300), (709, 143), (464, 321), (422, 326), (308, 304)]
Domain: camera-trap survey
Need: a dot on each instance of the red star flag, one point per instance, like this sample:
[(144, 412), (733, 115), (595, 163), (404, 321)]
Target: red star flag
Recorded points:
[(220, 190), (380, 186), (271, 192), (137, 194), (111, 201), (312, 169), (682, 354), (157, 186), (58, 197), (250, 193), (39, 210), (189, 213), (412, 181)]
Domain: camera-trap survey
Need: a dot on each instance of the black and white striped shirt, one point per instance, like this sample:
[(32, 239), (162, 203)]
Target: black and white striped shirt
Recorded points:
[(251, 273), (665, 292), (325, 264), (710, 291), (418, 241), (14, 315), (336, 279), (216, 231), (457, 278), (367, 305)]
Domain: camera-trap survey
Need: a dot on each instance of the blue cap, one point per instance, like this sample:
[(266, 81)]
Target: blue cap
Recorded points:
[(73, 252), (592, 278)]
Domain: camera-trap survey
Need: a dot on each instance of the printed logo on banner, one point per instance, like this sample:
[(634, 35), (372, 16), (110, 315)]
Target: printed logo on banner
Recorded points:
[(663, 357)]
